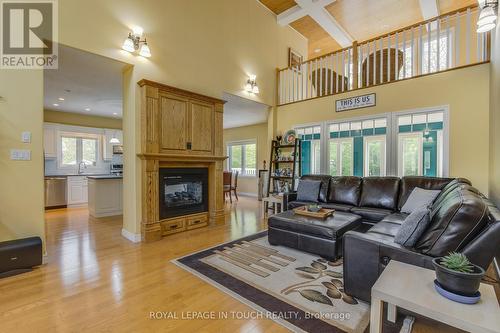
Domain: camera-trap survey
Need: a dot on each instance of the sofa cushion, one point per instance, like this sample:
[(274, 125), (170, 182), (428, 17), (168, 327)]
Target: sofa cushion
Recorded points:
[(455, 220), (337, 206), (308, 190), (395, 218), (371, 214), (418, 198), (408, 183), (325, 184), (413, 227), (345, 190), (384, 228), (379, 192)]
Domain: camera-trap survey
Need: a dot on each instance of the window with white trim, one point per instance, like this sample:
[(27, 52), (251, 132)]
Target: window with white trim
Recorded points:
[(310, 149), (242, 157), (76, 148)]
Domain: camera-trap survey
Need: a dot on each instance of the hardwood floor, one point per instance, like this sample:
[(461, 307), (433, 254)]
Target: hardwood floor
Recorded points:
[(97, 281)]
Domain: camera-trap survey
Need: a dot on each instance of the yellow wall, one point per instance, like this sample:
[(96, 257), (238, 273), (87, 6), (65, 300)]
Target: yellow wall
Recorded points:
[(208, 47), (466, 91), (21, 182), (254, 132), (495, 118), (78, 119)]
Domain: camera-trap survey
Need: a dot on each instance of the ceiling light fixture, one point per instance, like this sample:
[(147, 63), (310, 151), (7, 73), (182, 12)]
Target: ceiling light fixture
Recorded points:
[(115, 114), (134, 43), (55, 104), (114, 140), (61, 99), (251, 85), (487, 17), (87, 109)]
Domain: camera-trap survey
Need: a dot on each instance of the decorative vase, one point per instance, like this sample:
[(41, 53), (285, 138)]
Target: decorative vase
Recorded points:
[(461, 283)]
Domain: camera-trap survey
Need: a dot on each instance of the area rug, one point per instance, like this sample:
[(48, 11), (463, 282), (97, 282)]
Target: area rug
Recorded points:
[(301, 291)]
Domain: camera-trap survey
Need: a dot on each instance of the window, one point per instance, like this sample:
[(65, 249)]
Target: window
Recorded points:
[(77, 148), (357, 148), (242, 157), (311, 149), (444, 54), (374, 161), (420, 144)]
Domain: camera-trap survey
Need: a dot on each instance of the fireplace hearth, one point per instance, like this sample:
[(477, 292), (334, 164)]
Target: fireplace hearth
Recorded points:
[(183, 191)]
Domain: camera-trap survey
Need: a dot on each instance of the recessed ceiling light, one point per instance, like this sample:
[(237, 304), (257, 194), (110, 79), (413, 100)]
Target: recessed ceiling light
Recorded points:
[(55, 104), (87, 109), (317, 50), (115, 114), (61, 99)]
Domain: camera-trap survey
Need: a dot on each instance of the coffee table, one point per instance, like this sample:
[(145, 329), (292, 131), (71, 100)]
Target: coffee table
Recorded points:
[(412, 288), (313, 235)]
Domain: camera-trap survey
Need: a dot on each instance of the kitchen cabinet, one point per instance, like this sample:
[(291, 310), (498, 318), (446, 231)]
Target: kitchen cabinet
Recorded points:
[(105, 196), (50, 141), (77, 190), (186, 125), (107, 148)]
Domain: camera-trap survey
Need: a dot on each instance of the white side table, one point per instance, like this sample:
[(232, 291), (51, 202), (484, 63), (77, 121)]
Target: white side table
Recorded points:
[(412, 288), (276, 200)]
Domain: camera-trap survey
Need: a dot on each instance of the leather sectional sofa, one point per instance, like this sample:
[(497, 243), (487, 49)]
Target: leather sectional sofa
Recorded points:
[(462, 219)]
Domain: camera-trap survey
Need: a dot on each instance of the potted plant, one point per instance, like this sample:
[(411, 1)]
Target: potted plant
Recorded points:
[(457, 274)]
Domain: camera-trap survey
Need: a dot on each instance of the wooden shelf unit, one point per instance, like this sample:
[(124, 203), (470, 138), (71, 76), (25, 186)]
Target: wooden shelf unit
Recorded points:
[(295, 150)]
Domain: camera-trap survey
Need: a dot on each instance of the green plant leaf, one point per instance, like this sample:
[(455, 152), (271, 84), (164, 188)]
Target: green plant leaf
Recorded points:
[(315, 296), (308, 270)]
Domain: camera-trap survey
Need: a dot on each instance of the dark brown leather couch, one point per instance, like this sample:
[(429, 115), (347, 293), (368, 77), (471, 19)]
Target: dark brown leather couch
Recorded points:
[(462, 219)]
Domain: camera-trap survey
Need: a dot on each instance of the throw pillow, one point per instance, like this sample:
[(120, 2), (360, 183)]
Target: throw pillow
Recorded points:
[(419, 197), (413, 227), (308, 190)]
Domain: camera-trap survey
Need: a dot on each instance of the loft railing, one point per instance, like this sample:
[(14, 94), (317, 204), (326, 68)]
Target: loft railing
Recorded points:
[(443, 43)]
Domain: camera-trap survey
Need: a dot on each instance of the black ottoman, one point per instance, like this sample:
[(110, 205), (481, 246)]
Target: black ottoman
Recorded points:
[(318, 236)]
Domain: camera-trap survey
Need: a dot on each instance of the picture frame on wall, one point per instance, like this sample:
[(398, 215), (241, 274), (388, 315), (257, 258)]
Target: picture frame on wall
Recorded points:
[(294, 58)]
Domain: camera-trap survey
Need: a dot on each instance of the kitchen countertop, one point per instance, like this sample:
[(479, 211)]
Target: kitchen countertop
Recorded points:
[(105, 177)]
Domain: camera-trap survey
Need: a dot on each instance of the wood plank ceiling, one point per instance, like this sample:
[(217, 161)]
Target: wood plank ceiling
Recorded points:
[(362, 19)]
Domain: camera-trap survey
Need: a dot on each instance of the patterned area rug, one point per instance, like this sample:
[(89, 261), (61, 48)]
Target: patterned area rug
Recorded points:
[(301, 291)]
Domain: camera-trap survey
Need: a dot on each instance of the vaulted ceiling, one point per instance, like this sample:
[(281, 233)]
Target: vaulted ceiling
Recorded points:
[(330, 24)]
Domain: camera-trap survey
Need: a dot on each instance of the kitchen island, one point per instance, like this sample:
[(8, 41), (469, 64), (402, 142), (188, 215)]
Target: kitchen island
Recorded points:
[(105, 193)]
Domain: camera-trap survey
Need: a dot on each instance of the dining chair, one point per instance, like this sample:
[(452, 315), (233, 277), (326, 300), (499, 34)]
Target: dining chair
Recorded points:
[(227, 178), (234, 186)]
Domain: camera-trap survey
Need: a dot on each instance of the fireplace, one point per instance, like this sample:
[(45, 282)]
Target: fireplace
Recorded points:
[(183, 191)]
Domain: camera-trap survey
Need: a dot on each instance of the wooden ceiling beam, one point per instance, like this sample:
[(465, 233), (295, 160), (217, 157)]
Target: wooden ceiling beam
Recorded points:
[(316, 10)]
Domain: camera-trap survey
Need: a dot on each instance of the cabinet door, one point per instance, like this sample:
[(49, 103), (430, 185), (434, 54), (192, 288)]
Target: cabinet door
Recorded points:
[(77, 190), (201, 126), (49, 142), (173, 124)]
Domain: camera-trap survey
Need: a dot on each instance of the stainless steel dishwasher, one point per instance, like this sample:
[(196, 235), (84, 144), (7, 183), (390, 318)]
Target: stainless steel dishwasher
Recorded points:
[(55, 192)]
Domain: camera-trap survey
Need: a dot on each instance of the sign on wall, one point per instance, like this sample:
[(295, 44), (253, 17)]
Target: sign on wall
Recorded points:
[(356, 102)]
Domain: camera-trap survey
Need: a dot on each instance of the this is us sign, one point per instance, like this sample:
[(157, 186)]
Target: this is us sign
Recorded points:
[(356, 102)]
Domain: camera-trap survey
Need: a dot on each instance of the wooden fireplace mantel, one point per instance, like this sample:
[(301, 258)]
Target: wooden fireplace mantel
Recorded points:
[(179, 128)]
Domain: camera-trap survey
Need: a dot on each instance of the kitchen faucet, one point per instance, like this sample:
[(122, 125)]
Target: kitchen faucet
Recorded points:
[(80, 171)]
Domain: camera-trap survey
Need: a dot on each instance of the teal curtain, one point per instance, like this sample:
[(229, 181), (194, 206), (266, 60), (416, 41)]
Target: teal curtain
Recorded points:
[(430, 154), (358, 156), (306, 157)]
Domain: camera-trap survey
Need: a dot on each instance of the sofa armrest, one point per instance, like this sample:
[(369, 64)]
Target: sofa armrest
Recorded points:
[(288, 197), (366, 256)]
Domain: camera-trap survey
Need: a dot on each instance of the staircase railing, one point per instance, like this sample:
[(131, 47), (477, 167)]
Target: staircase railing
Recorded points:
[(446, 42)]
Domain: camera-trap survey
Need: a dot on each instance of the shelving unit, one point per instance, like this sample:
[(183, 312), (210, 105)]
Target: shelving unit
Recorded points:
[(292, 150)]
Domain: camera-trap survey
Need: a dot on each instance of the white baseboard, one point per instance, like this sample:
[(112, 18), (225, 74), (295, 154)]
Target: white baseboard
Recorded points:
[(134, 238), (248, 194)]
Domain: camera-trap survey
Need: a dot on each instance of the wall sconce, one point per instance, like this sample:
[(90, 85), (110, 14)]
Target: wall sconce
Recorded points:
[(487, 17), (251, 86), (133, 43)]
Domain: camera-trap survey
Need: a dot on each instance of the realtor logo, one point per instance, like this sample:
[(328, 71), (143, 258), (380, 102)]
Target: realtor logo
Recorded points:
[(29, 34)]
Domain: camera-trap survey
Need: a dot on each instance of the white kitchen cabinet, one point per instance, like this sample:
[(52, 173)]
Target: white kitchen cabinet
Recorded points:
[(105, 196), (107, 149), (50, 141), (77, 190)]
